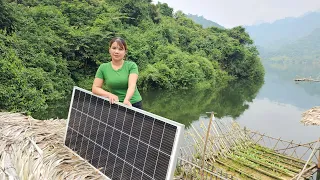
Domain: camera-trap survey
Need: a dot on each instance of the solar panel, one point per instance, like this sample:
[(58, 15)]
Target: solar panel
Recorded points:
[(122, 142)]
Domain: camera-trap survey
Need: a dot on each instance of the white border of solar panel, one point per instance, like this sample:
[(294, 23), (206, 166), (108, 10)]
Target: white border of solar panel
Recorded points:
[(177, 140)]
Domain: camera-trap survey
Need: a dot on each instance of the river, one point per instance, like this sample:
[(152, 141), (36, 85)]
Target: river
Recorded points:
[(273, 107)]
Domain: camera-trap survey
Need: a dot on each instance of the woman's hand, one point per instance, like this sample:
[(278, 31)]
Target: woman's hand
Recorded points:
[(127, 102), (113, 98)]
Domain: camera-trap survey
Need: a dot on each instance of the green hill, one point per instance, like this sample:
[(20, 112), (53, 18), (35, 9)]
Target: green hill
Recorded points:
[(47, 46), (203, 21), (303, 49), (272, 36)]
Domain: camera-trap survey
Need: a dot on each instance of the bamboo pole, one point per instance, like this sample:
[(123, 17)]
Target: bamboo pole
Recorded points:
[(313, 151), (220, 139), (205, 145), (280, 155), (241, 134), (229, 135), (257, 169), (216, 137), (267, 165), (237, 170), (213, 142), (291, 142), (277, 159), (238, 136), (318, 161)]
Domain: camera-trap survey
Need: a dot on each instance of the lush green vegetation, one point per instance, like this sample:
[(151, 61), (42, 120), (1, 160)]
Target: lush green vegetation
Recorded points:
[(203, 21), (293, 40), (49, 46)]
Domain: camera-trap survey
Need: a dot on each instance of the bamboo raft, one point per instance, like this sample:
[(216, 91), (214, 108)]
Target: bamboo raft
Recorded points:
[(307, 79), (235, 153)]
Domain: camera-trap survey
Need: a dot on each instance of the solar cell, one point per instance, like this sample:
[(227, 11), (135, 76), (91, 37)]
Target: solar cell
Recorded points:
[(122, 142)]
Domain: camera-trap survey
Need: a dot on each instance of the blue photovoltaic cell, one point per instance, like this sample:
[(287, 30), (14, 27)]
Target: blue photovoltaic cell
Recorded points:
[(124, 143)]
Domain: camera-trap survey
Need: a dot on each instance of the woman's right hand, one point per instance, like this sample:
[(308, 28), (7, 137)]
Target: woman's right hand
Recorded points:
[(113, 98)]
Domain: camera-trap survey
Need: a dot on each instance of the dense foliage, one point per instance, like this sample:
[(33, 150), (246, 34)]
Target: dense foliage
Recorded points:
[(203, 21), (48, 46)]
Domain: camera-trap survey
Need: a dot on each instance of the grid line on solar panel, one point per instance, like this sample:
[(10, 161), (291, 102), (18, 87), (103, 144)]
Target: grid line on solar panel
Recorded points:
[(77, 93), (131, 137), (133, 134), (85, 124), (111, 153), (144, 164), (125, 157), (120, 143), (158, 149), (158, 153), (93, 150)]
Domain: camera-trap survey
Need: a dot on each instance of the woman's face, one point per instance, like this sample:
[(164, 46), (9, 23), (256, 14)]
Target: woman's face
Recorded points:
[(117, 52)]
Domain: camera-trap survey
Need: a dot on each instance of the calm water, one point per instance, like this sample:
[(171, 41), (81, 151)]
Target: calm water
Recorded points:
[(278, 107), (273, 107)]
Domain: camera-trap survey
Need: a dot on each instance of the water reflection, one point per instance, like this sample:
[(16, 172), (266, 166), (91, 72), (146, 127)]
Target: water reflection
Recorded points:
[(278, 120), (186, 106), (55, 110), (280, 86)]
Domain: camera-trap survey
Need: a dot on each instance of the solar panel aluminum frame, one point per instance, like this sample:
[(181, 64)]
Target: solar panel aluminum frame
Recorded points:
[(177, 140)]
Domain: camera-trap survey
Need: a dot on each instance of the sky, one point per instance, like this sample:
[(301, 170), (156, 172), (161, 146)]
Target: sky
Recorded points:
[(231, 13)]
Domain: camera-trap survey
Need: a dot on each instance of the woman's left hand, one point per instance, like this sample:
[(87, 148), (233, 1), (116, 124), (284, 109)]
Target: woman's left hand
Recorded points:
[(127, 102)]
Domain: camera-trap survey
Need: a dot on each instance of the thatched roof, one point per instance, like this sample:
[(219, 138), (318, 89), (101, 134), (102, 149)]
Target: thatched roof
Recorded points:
[(311, 116), (33, 149)]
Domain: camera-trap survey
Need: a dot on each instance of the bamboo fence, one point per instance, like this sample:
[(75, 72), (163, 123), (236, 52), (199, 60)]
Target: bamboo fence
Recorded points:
[(241, 153)]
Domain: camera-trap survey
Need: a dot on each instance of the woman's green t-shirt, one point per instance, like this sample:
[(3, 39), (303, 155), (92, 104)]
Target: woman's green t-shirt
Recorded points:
[(116, 81)]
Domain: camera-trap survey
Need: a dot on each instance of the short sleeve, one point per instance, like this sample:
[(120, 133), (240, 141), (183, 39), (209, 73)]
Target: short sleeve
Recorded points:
[(99, 73), (134, 69)]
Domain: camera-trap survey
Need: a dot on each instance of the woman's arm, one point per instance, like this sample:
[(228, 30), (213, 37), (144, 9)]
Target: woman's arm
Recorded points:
[(97, 89), (131, 88)]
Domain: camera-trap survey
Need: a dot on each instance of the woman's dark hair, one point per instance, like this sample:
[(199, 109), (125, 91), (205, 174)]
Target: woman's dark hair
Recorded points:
[(121, 42)]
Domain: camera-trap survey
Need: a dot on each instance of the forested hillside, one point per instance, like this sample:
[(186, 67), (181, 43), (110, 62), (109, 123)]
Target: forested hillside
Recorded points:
[(48, 46), (272, 36), (203, 21), (302, 50)]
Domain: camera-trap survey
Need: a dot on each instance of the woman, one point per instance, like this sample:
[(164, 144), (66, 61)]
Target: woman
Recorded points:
[(120, 77)]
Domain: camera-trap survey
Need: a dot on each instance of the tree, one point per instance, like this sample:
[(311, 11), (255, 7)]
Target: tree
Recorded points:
[(164, 9), (6, 19), (241, 35)]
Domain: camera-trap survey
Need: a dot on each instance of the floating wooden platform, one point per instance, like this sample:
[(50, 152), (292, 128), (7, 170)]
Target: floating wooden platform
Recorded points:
[(235, 153), (307, 79)]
